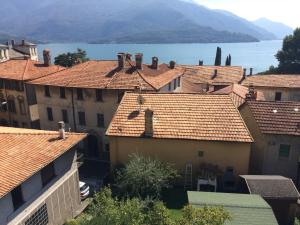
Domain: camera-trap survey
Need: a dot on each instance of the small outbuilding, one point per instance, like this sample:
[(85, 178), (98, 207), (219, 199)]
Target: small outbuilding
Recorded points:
[(244, 209)]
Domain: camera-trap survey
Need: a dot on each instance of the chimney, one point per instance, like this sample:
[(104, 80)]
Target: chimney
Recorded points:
[(200, 62), (154, 63), (172, 64), (47, 57), (148, 123), (121, 60), (61, 130), (215, 74), (251, 71), (23, 42), (128, 56), (12, 42), (245, 72), (252, 94), (139, 61)]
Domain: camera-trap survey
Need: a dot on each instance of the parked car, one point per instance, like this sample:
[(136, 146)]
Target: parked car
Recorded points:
[(84, 190)]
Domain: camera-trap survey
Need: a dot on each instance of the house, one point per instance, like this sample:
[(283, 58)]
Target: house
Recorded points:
[(276, 132), (280, 192), (14, 50), (212, 78), (180, 129), (276, 87), (243, 208), (39, 176), (87, 95), (240, 93), (17, 99)]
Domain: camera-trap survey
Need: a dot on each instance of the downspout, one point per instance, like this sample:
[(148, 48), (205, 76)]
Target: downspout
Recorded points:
[(73, 109), (8, 112)]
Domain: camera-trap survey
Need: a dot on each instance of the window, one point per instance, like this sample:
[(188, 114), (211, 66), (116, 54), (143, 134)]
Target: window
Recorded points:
[(47, 174), (79, 94), (100, 120), (17, 197), (3, 104), (47, 91), (120, 96), (1, 83), (278, 96), (284, 151), (179, 81), (15, 123), (19, 86), (22, 105), (99, 95), (11, 104), (81, 118), (107, 148), (65, 115), (170, 86), (40, 217), (50, 114), (24, 125), (175, 84), (62, 92)]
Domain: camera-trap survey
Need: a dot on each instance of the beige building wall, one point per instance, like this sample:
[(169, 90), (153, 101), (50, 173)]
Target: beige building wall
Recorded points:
[(259, 145), (89, 105), (180, 152), (287, 94), (22, 117)]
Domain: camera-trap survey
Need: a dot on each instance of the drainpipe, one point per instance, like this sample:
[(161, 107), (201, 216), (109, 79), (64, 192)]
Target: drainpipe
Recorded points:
[(7, 108), (73, 110)]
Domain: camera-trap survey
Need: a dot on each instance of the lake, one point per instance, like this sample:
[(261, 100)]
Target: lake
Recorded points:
[(259, 55)]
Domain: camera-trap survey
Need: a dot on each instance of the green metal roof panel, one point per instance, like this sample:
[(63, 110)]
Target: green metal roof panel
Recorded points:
[(245, 209)]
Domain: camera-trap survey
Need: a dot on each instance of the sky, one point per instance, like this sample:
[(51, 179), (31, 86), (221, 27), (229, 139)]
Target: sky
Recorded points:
[(284, 11)]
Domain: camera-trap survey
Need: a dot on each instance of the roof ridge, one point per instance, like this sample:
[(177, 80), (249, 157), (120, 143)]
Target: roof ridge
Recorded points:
[(25, 69)]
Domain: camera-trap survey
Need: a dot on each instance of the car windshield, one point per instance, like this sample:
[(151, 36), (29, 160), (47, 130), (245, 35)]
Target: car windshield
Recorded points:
[(83, 187)]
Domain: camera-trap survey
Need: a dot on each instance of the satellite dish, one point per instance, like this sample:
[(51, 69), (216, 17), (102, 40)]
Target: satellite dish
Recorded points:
[(140, 100)]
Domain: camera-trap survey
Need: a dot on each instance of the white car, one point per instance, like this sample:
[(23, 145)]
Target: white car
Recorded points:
[(84, 190)]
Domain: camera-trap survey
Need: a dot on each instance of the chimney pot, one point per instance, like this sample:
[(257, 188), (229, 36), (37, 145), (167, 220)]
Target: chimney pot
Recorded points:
[(47, 57), (200, 62), (148, 123), (121, 60), (23, 42), (172, 64), (154, 63), (245, 72), (128, 56), (252, 94), (139, 61), (61, 130), (251, 71)]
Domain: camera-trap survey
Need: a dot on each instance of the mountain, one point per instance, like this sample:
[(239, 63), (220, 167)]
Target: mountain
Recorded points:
[(124, 20), (279, 29)]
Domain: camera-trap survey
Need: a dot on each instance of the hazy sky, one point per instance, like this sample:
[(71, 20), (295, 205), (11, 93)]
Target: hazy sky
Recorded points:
[(285, 11)]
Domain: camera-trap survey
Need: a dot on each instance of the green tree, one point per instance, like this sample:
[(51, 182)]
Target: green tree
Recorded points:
[(218, 59), (144, 177), (204, 216), (228, 60), (289, 55), (70, 59)]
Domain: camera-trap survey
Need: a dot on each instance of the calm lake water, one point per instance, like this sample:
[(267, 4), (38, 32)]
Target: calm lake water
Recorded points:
[(258, 55)]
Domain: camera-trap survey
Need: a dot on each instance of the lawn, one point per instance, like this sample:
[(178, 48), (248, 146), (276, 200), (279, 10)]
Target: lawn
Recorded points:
[(175, 199)]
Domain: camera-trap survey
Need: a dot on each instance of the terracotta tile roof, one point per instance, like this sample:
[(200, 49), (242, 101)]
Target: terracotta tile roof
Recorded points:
[(23, 152), (204, 74), (278, 80), (181, 116), (25, 69), (276, 117), (238, 93), (105, 74)]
